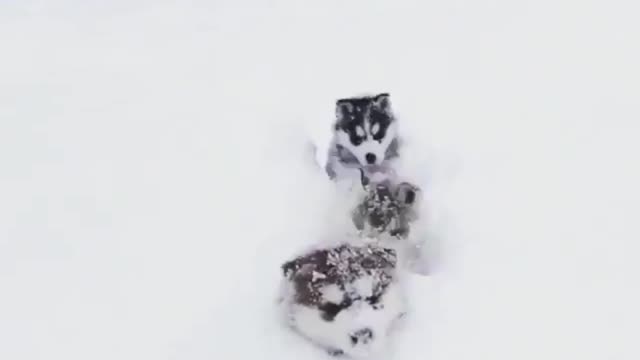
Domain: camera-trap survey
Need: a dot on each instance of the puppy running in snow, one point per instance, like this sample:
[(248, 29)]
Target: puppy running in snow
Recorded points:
[(365, 136), (344, 298), (385, 215)]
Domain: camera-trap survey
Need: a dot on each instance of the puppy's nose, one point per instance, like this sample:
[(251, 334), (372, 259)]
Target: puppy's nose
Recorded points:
[(362, 336), (371, 158)]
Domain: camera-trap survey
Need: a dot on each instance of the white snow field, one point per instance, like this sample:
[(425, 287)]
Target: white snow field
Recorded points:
[(155, 173)]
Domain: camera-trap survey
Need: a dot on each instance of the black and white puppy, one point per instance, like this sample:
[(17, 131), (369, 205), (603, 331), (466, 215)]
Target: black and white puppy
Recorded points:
[(365, 135), (344, 298)]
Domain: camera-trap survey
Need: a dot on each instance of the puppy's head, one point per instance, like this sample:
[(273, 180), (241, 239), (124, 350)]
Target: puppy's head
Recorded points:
[(366, 129)]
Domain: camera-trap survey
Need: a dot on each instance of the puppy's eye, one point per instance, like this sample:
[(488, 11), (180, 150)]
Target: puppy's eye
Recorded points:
[(373, 299), (378, 130), (330, 310), (346, 303), (356, 140), (374, 129), (357, 136)]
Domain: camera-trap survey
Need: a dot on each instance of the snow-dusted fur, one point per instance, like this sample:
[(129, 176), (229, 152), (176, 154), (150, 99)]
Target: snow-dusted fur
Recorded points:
[(345, 298), (385, 214), (387, 209)]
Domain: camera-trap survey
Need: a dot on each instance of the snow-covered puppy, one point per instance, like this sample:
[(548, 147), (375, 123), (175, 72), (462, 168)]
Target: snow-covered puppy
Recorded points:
[(365, 135), (384, 215), (344, 298), (386, 209)]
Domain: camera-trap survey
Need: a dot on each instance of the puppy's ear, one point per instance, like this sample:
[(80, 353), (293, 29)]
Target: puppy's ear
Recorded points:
[(289, 268), (407, 194), (344, 108), (292, 268), (297, 268), (382, 102)]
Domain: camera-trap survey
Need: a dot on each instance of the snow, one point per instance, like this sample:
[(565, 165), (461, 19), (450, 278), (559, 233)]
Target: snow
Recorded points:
[(154, 172)]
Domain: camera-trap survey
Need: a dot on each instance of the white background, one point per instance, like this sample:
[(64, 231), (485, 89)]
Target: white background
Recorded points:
[(153, 173)]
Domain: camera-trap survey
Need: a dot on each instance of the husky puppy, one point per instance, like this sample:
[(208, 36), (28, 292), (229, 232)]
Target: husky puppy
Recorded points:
[(387, 209), (364, 134), (344, 298), (384, 215)]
